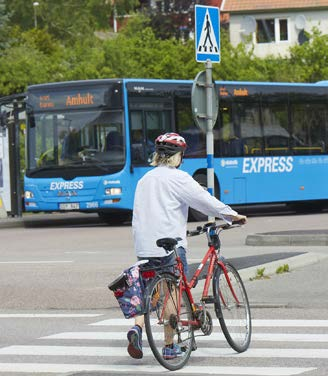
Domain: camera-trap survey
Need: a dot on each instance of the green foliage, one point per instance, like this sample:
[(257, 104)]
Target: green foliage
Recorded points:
[(4, 17), (260, 274), (3, 14), (142, 55), (85, 60), (125, 6), (283, 269), (67, 18), (308, 62), (33, 58), (64, 47), (21, 13)]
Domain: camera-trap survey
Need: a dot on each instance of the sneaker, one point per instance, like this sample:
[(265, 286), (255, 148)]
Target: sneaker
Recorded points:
[(171, 353), (135, 342)]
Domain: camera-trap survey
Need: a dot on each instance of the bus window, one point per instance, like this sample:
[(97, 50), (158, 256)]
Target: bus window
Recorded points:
[(137, 137), (146, 126), (76, 137), (157, 122), (194, 136), (275, 128), (247, 118), (45, 152), (227, 140), (309, 125)]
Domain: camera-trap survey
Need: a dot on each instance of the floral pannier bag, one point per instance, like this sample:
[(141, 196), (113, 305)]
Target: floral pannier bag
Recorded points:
[(128, 289)]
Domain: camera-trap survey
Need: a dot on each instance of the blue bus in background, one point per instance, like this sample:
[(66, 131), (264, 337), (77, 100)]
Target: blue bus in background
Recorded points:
[(89, 142)]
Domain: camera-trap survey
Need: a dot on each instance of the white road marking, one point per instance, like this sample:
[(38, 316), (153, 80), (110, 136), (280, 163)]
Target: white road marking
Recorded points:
[(105, 351), (47, 315), (267, 337), (151, 369), (38, 262), (255, 323)]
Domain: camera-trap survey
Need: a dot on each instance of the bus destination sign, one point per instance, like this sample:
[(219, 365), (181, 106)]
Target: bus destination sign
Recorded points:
[(71, 99), (85, 99)]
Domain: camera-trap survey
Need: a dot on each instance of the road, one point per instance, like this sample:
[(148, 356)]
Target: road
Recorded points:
[(58, 317)]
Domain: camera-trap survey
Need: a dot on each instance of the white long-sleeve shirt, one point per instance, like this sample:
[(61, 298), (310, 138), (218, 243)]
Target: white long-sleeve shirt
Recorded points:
[(161, 203)]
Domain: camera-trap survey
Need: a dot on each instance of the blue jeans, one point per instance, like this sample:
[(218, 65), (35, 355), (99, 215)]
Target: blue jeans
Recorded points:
[(167, 262)]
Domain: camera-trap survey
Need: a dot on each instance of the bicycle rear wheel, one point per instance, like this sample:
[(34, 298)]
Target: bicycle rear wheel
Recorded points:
[(232, 307), (167, 321)]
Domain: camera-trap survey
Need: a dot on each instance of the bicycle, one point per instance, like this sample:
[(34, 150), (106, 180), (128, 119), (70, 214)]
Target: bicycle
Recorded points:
[(171, 314)]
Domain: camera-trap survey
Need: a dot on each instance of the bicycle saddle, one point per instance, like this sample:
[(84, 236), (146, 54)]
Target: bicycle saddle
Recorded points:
[(167, 243)]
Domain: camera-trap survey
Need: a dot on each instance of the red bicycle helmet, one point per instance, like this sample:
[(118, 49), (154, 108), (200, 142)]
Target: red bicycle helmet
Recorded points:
[(170, 144)]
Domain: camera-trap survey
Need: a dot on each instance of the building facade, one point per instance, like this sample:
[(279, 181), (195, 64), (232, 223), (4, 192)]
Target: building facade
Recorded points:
[(273, 26)]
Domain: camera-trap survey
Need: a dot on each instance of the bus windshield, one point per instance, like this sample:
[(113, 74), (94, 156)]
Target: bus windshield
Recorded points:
[(60, 140)]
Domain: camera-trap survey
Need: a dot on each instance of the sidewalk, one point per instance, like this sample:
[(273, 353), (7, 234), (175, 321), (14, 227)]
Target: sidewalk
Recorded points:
[(289, 238)]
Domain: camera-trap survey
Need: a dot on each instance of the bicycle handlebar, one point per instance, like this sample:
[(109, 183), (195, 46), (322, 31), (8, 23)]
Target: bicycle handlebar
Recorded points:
[(212, 225)]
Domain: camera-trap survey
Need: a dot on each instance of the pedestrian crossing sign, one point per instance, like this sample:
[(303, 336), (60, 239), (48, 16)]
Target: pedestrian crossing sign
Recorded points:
[(207, 32)]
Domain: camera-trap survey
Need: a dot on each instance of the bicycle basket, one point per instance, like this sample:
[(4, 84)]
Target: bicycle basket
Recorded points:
[(128, 288)]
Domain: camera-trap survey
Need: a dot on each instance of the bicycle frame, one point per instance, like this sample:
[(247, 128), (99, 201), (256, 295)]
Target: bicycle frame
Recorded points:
[(213, 258)]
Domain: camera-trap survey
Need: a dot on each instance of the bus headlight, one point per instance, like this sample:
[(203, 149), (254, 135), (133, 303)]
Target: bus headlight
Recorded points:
[(113, 191), (28, 194)]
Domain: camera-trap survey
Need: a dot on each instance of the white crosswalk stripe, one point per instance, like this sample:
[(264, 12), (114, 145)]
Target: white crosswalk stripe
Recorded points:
[(100, 349), (204, 352), (255, 323), (151, 369), (264, 337)]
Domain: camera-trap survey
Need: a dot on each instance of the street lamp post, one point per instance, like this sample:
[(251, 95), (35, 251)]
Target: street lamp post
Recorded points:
[(35, 5)]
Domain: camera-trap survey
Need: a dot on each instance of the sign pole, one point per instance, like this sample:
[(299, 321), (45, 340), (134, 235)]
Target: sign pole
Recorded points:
[(209, 130), (207, 47)]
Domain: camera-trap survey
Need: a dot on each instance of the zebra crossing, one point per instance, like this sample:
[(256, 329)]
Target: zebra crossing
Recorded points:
[(278, 348)]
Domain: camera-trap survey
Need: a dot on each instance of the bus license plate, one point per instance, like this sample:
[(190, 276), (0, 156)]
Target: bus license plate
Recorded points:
[(69, 206)]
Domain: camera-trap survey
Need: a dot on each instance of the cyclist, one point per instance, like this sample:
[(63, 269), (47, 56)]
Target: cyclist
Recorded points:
[(162, 199)]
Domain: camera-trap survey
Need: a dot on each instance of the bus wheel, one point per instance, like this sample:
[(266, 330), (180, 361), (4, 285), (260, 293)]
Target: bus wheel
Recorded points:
[(113, 219), (195, 215)]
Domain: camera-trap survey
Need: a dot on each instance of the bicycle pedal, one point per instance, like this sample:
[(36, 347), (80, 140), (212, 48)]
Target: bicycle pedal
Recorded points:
[(208, 299)]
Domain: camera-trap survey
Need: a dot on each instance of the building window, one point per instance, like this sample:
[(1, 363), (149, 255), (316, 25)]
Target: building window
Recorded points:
[(271, 30), (283, 30), (265, 31)]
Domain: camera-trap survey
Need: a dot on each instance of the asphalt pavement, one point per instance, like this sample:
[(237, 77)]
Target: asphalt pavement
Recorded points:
[(295, 254)]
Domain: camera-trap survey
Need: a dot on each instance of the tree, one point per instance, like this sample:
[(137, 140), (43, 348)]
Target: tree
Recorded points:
[(309, 61), (171, 18), (3, 26), (136, 52), (34, 57), (67, 19)]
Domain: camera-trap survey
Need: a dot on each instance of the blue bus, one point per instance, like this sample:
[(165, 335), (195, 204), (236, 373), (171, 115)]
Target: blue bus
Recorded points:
[(89, 142)]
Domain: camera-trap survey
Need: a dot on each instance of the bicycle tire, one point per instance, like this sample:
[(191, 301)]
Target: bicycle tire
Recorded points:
[(234, 316), (163, 319)]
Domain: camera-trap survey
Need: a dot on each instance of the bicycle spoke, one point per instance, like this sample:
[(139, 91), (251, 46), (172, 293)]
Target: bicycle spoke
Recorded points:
[(166, 324), (232, 307)]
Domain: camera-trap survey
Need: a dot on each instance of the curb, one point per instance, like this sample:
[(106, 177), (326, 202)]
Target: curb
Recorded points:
[(294, 262), (48, 220), (287, 240), (11, 223)]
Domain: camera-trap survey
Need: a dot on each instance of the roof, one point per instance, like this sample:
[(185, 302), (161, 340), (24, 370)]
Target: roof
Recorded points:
[(232, 6)]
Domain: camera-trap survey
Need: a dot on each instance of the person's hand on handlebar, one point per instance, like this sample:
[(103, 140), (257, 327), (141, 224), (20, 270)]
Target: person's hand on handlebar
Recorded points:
[(242, 219)]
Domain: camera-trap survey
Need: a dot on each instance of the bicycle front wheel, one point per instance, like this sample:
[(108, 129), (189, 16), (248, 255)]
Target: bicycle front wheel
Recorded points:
[(168, 322), (232, 307)]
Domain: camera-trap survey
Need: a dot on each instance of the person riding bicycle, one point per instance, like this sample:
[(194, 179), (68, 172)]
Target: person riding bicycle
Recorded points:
[(162, 199)]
